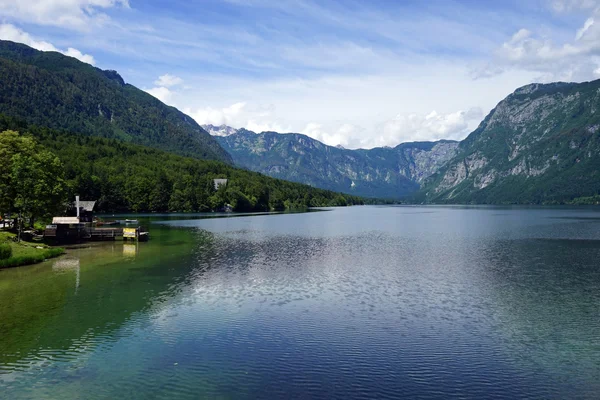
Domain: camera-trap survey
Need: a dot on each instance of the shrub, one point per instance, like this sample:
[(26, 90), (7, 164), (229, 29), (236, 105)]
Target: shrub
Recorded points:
[(31, 259), (5, 251)]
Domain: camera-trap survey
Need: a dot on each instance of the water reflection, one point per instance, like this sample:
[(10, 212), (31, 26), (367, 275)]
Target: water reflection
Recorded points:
[(130, 250), (68, 265)]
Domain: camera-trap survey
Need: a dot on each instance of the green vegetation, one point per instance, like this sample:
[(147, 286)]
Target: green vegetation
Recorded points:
[(127, 177), (60, 92), (31, 178), (588, 200), (5, 251), (23, 253)]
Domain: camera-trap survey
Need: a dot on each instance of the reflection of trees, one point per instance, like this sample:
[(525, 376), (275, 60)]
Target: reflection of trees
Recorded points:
[(89, 293), (546, 301)]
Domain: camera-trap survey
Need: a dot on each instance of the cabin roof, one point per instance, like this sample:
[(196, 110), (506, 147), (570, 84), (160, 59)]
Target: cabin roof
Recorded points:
[(86, 205)]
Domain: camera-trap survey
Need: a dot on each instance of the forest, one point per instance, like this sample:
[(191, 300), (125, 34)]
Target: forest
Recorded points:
[(42, 168)]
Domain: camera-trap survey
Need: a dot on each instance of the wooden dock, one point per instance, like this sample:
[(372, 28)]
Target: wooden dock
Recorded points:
[(104, 233)]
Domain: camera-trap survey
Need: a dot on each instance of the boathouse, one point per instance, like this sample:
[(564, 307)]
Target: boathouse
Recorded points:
[(65, 229)]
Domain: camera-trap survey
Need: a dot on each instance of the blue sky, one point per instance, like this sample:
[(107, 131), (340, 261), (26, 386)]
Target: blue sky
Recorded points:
[(355, 73)]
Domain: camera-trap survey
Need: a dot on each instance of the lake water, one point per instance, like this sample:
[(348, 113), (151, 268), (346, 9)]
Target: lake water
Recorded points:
[(360, 302)]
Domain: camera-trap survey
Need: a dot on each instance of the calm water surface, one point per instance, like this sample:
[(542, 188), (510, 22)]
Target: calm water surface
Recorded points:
[(362, 302)]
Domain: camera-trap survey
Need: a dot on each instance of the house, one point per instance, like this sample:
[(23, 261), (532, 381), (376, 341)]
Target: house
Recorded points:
[(219, 182)]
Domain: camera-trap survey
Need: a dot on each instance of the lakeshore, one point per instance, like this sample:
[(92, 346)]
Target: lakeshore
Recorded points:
[(26, 253)]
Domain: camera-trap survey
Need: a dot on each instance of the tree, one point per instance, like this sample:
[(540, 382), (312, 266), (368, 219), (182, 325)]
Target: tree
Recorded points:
[(31, 177)]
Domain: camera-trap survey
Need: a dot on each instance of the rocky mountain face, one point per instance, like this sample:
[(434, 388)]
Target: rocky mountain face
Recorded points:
[(52, 90), (379, 172), (539, 145), (219, 130)]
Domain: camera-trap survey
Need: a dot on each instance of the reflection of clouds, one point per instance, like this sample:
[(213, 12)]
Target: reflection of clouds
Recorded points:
[(68, 264), (65, 264)]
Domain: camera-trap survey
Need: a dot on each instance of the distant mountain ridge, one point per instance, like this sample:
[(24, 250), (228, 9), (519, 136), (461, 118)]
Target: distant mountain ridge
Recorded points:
[(541, 144), (61, 92), (380, 172)]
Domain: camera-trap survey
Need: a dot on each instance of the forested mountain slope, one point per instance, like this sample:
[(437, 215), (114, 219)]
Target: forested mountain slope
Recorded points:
[(53, 90)]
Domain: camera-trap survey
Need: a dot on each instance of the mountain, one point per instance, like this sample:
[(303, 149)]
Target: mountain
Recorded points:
[(380, 172), (541, 144), (53, 90), (220, 130)]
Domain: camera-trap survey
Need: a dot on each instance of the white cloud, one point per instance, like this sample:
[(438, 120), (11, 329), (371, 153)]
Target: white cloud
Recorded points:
[(72, 14), (14, 34), (577, 59), (162, 89), (433, 126), (168, 80), (571, 5), (86, 58), (217, 116), (162, 93), (404, 128), (266, 126), (346, 135)]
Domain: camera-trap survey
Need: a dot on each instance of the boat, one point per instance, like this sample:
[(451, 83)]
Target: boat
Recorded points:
[(131, 221), (106, 223)]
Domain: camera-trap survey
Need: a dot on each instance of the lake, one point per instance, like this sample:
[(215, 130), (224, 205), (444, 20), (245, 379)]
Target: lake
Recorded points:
[(350, 303)]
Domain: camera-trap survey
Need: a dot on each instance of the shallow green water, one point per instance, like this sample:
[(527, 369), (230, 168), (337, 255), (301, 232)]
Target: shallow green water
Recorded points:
[(364, 302)]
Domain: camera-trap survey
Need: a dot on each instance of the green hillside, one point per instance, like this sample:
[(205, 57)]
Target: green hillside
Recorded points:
[(60, 92)]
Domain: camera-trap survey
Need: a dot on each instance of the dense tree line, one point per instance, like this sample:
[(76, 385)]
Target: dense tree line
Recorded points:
[(127, 177)]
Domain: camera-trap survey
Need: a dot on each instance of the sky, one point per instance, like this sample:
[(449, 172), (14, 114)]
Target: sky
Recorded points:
[(360, 74)]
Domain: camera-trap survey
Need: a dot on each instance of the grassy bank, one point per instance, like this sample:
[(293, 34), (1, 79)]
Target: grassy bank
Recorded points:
[(26, 253)]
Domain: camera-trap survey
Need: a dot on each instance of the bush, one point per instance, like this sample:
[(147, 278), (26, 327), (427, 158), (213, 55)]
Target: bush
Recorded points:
[(32, 259), (5, 251)]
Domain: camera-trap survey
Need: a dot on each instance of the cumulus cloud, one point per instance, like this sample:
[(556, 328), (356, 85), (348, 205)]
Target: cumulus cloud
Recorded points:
[(346, 135), (217, 116), (266, 126), (574, 60), (240, 115), (168, 80), (163, 89), (14, 34), (72, 14), (162, 93), (404, 128)]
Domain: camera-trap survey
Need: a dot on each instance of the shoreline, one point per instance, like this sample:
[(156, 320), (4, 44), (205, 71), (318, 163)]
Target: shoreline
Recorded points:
[(26, 253)]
